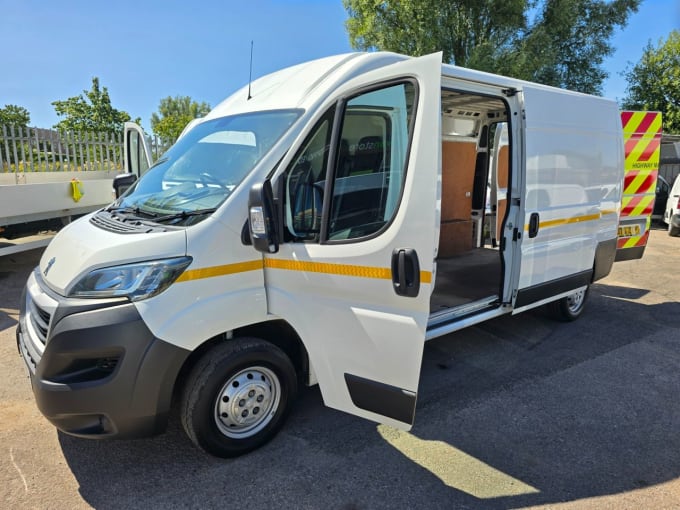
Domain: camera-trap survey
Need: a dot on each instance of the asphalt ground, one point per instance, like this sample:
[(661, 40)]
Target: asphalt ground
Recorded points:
[(516, 412)]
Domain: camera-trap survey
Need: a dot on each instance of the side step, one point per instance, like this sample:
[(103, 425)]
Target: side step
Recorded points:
[(447, 321)]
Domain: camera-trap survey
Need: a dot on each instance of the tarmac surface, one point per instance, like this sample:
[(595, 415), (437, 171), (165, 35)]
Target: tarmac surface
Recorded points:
[(516, 412)]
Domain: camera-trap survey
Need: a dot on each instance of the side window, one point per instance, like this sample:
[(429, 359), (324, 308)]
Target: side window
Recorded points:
[(368, 172), (371, 161), (305, 182)]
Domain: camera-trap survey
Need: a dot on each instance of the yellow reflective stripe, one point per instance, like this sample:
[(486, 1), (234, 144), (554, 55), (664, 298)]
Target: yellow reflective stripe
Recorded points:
[(295, 265), (382, 273), (210, 272), (567, 221), (324, 267)]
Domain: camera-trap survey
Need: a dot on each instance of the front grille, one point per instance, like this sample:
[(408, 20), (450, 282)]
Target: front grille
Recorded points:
[(40, 319)]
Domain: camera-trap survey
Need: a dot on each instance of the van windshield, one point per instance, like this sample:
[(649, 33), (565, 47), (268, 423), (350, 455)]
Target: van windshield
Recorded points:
[(204, 167)]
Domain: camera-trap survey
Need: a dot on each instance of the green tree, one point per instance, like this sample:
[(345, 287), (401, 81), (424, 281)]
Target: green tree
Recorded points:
[(654, 82), (90, 111), (18, 118), (557, 42), (174, 113), (16, 115)]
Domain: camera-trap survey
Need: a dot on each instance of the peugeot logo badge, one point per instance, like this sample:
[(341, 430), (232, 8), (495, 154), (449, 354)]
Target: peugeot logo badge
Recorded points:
[(49, 266)]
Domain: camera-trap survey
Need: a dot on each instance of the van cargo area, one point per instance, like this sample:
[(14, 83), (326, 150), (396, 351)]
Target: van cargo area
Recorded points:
[(474, 160)]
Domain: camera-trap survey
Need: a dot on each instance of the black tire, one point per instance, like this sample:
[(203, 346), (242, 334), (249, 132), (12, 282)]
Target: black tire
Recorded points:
[(568, 308), (245, 375), (672, 231)]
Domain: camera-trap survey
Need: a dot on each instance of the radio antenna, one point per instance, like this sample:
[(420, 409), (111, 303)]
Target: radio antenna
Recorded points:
[(250, 77)]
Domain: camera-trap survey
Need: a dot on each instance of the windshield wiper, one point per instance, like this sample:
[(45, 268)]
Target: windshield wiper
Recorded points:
[(132, 210), (184, 214)]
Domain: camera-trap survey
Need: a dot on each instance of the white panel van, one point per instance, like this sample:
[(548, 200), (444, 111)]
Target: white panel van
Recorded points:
[(318, 231), (671, 214)]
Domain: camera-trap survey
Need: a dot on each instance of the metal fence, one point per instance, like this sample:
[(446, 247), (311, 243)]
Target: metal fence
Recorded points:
[(45, 150), (25, 149)]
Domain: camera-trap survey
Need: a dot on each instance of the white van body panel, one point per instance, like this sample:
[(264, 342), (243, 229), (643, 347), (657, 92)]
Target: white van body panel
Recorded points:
[(222, 289), (81, 247), (564, 140), (672, 203)]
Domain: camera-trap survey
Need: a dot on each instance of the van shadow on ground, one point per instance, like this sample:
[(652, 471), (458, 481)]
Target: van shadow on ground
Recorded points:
[(570, 411)]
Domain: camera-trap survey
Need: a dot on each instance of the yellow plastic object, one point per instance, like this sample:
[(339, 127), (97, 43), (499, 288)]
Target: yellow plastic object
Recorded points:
[(77, 190)]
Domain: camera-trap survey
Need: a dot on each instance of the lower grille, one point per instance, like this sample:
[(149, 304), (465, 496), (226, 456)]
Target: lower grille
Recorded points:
[(40, 319)]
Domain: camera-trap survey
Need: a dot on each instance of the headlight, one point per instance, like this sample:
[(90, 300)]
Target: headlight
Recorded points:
[(134, 281)]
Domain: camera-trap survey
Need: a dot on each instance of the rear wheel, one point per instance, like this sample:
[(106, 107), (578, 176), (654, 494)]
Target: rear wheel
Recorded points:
[(237, 396), (569, 308)]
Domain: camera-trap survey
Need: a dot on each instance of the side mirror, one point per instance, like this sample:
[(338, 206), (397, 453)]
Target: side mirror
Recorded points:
[(262, 219), (122, 182)]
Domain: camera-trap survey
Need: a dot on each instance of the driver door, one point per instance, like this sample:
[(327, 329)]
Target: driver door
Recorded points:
[(355, 270)]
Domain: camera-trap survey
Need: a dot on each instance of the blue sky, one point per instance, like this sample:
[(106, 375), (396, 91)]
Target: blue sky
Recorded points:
[(146, 50)]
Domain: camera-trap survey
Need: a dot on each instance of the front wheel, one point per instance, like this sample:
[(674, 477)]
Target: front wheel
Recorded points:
[(237, 396), (569, 308), (672, 231)]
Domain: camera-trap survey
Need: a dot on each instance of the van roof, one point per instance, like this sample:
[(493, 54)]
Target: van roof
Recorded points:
[(303, 85)]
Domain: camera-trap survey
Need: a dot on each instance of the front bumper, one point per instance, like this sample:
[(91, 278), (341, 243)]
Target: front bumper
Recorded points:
[(96, 369)]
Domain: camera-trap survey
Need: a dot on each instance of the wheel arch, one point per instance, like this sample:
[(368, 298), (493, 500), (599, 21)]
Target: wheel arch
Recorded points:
[(278, 332)]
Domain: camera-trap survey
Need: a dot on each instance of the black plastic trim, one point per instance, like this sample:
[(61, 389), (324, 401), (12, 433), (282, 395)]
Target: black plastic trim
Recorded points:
[(549, 289), (382, 399), (126, 400), (629, 253), (605, 255)]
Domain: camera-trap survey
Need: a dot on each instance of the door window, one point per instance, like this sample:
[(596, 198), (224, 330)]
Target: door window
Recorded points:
[(371, 152)]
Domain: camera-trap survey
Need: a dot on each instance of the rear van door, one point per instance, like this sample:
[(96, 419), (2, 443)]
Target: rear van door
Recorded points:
[(642, 148)]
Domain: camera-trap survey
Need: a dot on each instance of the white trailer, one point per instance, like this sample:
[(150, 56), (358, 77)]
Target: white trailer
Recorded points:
[(28, 200)]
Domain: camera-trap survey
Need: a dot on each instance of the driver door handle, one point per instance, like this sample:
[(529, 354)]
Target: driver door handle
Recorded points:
[(405, 272)]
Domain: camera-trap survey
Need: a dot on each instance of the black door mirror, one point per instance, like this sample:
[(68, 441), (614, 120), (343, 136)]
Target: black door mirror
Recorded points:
[(122, 182), (262, 218)]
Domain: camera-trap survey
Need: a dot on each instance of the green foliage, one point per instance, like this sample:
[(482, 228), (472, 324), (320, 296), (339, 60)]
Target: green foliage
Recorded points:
[(15, 119), (465, 30), (174, 113), (654, 82), (91, 111), (557, 42), (16, 115)]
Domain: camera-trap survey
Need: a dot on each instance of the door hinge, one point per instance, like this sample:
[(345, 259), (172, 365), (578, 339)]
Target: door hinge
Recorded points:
[(509, 92)]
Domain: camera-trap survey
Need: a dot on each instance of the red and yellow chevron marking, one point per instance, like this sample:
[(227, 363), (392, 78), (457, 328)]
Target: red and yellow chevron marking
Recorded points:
[(637, 205), (642, 142), (633, 242)]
